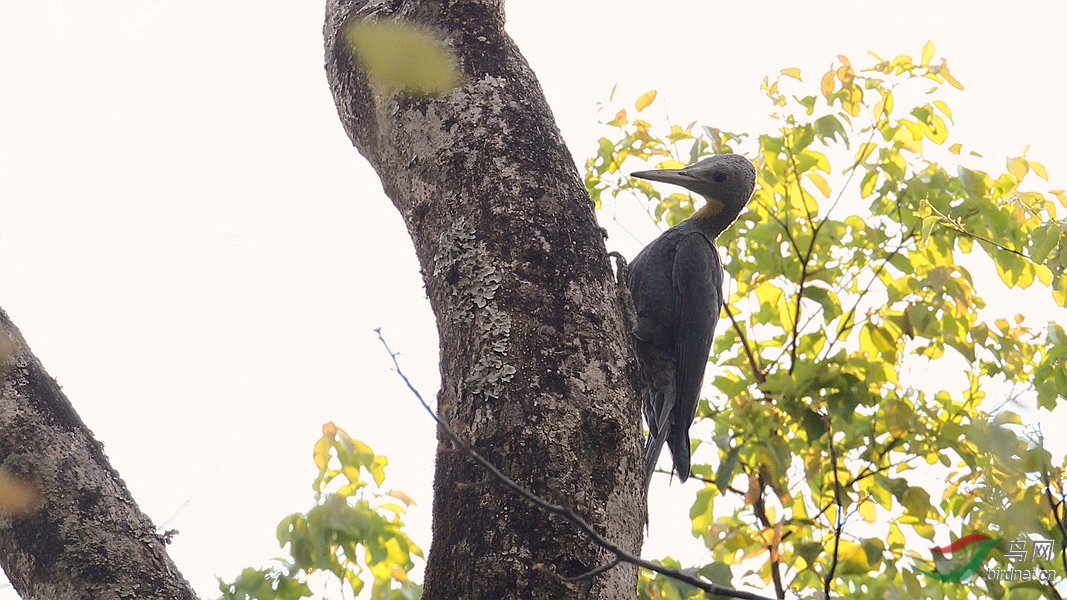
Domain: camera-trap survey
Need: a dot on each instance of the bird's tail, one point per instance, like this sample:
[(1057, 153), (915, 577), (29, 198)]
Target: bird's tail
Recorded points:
[(678, 440), (658, 404), (653, 446)]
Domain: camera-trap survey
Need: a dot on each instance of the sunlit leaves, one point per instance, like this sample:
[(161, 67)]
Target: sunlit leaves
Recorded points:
[(859, 356), (349, 531)]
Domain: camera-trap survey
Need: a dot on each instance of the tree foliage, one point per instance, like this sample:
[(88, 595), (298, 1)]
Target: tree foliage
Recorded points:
[(865, 406), (352, 529)]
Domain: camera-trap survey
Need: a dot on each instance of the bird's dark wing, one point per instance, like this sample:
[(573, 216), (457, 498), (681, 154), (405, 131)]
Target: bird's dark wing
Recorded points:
[(697, 277), (651, 281)]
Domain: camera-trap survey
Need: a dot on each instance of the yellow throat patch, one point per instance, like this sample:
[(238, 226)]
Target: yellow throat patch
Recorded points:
[(712, 208)]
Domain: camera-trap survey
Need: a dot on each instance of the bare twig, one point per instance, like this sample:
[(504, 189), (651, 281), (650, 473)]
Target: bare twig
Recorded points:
[(804, 260), (565, 511), (850, 315), (757, 372), (760, 508), (1059, 513), (840, 520), (959, 228)]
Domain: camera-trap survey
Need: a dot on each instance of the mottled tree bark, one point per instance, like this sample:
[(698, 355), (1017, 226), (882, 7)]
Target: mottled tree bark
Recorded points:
[(536, 369), (69, 528)]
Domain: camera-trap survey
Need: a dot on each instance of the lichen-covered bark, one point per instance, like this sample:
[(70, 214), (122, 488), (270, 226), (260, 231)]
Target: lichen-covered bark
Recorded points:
[(535, 364), (80, 535)]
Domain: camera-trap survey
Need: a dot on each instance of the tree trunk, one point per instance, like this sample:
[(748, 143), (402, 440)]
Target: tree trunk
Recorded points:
[(68, 526), (536, 369)]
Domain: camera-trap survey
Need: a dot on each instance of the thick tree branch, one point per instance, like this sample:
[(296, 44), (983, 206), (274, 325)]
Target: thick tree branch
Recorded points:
[(620, 555), (78, 534), (536, 366)]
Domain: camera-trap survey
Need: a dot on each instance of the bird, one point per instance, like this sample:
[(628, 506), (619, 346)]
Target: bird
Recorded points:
[(676, 286)]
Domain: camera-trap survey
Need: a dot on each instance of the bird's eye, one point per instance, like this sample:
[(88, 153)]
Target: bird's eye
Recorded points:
[(719, 177)]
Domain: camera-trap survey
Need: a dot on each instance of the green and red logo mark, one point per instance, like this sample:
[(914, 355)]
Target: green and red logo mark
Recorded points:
[(972, 565)]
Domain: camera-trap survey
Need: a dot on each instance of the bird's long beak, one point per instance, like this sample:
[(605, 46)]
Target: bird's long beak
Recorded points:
[(675, 176), (686, 180)]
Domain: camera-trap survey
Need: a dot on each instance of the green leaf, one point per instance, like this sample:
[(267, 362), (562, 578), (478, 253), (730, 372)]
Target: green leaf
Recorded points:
[(725, 473), (403, 57), (830, 127), (1043, 240)]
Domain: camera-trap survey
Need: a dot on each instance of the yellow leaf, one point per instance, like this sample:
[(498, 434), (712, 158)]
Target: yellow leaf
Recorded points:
[(944, 108), (1060, 195), (901, 60), (895, 537), (403, 57), (671, 164), (928, 53), (955, 148), (827, 86), (646, 99), (1039, 169), (885, 105), (865, 151), (1018, 167), (321, 453), (402, 497), (792, 72), (820, 183), (1059, 290), (868, 511), (907, 139), (949, 78)]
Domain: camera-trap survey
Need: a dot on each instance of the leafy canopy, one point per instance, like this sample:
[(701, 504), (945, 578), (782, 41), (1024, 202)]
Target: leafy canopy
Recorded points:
[(866, 406), (350, 530)]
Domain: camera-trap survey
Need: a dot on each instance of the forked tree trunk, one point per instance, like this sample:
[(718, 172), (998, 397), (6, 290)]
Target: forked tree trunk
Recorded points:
[(536, 368), (69, 528)]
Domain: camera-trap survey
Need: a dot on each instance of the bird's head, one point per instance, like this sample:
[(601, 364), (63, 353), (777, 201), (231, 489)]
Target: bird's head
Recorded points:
[(726, 182)]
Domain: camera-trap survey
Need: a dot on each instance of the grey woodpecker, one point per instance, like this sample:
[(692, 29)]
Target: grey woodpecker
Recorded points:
[(676, 284)]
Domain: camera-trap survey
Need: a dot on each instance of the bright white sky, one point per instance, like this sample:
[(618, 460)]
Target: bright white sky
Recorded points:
[(192, 247)]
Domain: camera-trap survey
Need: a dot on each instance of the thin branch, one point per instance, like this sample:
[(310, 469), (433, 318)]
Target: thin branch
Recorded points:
[(759, 507), (868, 472), (804, 258), (785, 229), (1059, 513), (850, 315), (840, 524), (959, 228), (564, 511), (591, 573), (757, 372)]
